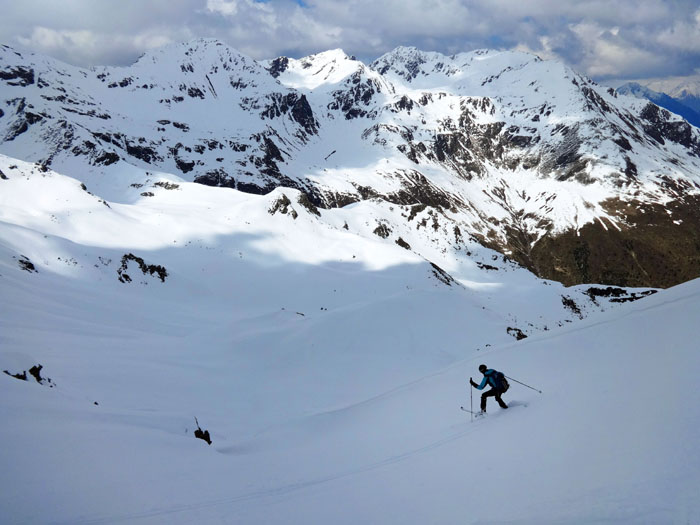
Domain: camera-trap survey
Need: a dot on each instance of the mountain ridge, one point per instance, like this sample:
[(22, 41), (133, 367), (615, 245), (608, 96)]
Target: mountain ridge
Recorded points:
[(525, 155)]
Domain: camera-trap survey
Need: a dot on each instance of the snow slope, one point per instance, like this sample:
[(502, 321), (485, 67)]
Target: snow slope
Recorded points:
[(328, 364)]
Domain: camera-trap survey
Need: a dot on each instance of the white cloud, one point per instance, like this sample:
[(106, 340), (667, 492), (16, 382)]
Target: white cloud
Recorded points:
[(224, 7), (684, 35), (80, 45), (544, 50), (51, 40), (600, 38), (607, 54), (86, 46)]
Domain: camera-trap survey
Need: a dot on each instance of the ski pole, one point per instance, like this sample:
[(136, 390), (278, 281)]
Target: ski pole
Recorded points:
[(471, 403), (540, 391)]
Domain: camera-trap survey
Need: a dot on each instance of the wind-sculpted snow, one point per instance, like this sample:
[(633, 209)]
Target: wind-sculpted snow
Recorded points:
[(518, 152)]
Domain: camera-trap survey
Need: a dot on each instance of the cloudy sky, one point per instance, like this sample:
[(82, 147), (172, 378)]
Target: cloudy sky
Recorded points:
[(606, 39)]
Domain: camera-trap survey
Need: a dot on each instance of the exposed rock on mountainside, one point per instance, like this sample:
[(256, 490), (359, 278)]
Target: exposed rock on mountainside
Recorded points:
[(654, 242), (568, 178)]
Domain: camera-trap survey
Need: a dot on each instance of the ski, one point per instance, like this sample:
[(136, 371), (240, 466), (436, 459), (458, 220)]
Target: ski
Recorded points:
[(481, 414), (477, 414)]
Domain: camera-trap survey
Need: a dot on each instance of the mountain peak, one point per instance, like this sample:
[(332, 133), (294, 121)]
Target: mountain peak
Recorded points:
[(409, 63), (329, 55), (637, 90), (200, 49), (326, 68), (406, 62), (678, 87)]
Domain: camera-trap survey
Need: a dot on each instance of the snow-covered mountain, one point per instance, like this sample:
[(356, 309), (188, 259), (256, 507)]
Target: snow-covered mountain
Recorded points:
[(684, 89), (316, 319), (528, 157), (662, 100)]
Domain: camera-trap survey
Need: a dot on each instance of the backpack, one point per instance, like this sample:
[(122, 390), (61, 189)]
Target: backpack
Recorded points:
[(501, 379)]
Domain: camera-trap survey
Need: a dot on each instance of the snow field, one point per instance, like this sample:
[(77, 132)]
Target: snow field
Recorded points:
[(328, 365)]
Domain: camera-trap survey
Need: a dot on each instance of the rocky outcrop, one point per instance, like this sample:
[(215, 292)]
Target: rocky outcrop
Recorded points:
[(652, 245), (150, 269)]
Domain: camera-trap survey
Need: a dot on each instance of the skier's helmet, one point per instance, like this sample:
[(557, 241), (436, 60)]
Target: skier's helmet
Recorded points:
[(482, 368)]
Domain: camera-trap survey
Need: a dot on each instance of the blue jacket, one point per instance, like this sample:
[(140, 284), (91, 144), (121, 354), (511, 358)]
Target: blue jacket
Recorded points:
[(490, 379)]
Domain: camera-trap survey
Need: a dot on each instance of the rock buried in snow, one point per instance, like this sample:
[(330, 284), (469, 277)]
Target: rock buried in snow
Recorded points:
[(22, 376), (442, 276), (516, 332), (202, 434), (284, 206), (151, 269), (35, 372), (27, 265)]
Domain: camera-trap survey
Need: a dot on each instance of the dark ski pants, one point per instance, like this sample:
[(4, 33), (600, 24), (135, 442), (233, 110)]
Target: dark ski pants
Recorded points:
[(494, 392)]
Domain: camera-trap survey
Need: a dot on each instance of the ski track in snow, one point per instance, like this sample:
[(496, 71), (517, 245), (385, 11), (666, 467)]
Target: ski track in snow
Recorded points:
[(280, 491), (287, 489)]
